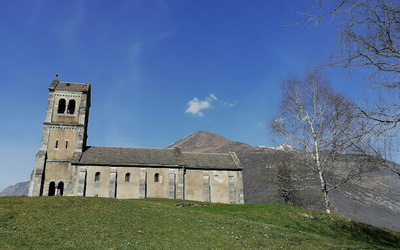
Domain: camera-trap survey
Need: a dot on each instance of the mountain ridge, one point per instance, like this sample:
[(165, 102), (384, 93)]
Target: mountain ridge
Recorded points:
[(18, 189)]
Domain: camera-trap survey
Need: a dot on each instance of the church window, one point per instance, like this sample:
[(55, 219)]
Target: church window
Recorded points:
[(97, 176), (60, 189), (56, 144), (52, 188), (61, 106), (71, 107), (127, 177), (66, 144), (156, 177)]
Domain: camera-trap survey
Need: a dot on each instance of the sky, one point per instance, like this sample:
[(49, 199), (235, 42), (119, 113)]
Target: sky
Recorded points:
[(159, 70)]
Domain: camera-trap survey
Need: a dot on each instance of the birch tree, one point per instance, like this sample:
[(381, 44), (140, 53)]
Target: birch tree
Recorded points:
[(319, 121)]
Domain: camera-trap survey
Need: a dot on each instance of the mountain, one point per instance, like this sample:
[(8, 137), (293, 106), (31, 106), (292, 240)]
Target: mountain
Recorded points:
[(374, 200), (206, 142), (19, 189)]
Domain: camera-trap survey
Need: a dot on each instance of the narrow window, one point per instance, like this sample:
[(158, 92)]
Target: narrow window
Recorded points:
[(60, 189), (66, 144), (156, 177), (128, 177), (56, 144), (61, 106), (97, 176), (52, 189), (71, 107)]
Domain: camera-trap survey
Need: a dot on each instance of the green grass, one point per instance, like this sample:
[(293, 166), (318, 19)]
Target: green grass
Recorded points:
[(100, 223)]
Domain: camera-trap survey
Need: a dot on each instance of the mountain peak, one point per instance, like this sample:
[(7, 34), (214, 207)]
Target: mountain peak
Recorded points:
[(200, 141), (206, 142), (283, 147)]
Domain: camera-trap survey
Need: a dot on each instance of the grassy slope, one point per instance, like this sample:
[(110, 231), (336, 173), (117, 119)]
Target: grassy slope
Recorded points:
[(88, 223)]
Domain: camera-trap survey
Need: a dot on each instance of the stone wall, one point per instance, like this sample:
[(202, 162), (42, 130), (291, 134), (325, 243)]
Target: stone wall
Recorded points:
[(170, 183)]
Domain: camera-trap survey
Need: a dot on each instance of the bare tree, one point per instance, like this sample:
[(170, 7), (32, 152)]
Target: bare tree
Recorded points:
[(369, 36), (369, 40), (319, 121)]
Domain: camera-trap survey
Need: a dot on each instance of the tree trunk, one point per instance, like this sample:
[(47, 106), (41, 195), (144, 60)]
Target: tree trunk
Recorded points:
[(325, 192), (321, 174)]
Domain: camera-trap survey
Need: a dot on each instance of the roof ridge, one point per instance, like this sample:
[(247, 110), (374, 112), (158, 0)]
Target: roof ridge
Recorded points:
[(129, 147), (158, 157), (201, 153)]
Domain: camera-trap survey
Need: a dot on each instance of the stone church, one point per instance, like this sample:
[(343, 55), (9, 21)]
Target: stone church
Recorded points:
[(66, 166)]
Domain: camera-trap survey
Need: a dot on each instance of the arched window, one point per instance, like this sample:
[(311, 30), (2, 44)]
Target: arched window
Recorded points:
[(156, 177), (61, 106), (97, 176), (52, 189), (60, 188), (71, 107), (127, 177)]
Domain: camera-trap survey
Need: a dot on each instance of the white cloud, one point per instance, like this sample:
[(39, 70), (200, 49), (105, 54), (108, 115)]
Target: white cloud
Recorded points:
[(196, 106)]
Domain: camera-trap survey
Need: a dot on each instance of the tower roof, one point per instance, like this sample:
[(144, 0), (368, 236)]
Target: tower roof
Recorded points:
[(67, 86)]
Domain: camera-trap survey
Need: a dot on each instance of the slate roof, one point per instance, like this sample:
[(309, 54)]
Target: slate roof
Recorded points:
[(211, 160), (66, 86), (116, 156)]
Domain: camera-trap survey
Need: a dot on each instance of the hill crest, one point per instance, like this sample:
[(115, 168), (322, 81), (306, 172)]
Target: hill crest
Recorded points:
[(207, 142)]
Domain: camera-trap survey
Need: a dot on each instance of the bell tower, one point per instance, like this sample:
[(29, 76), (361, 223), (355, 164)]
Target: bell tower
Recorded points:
[(63, 139)]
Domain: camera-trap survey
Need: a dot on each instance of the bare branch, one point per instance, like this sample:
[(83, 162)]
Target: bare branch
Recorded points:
[(314, 117)]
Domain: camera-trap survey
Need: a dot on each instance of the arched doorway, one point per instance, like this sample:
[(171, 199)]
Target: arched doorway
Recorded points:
[(60, 189), (52, 189)]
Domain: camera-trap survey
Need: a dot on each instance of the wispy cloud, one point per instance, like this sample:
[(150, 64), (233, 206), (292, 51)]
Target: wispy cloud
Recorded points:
[(261, 124), (196, 106), (227, 104), (68, 28)]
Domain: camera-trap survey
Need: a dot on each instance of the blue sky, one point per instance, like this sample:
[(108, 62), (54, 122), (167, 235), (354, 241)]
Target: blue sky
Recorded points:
[(160, 70)]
